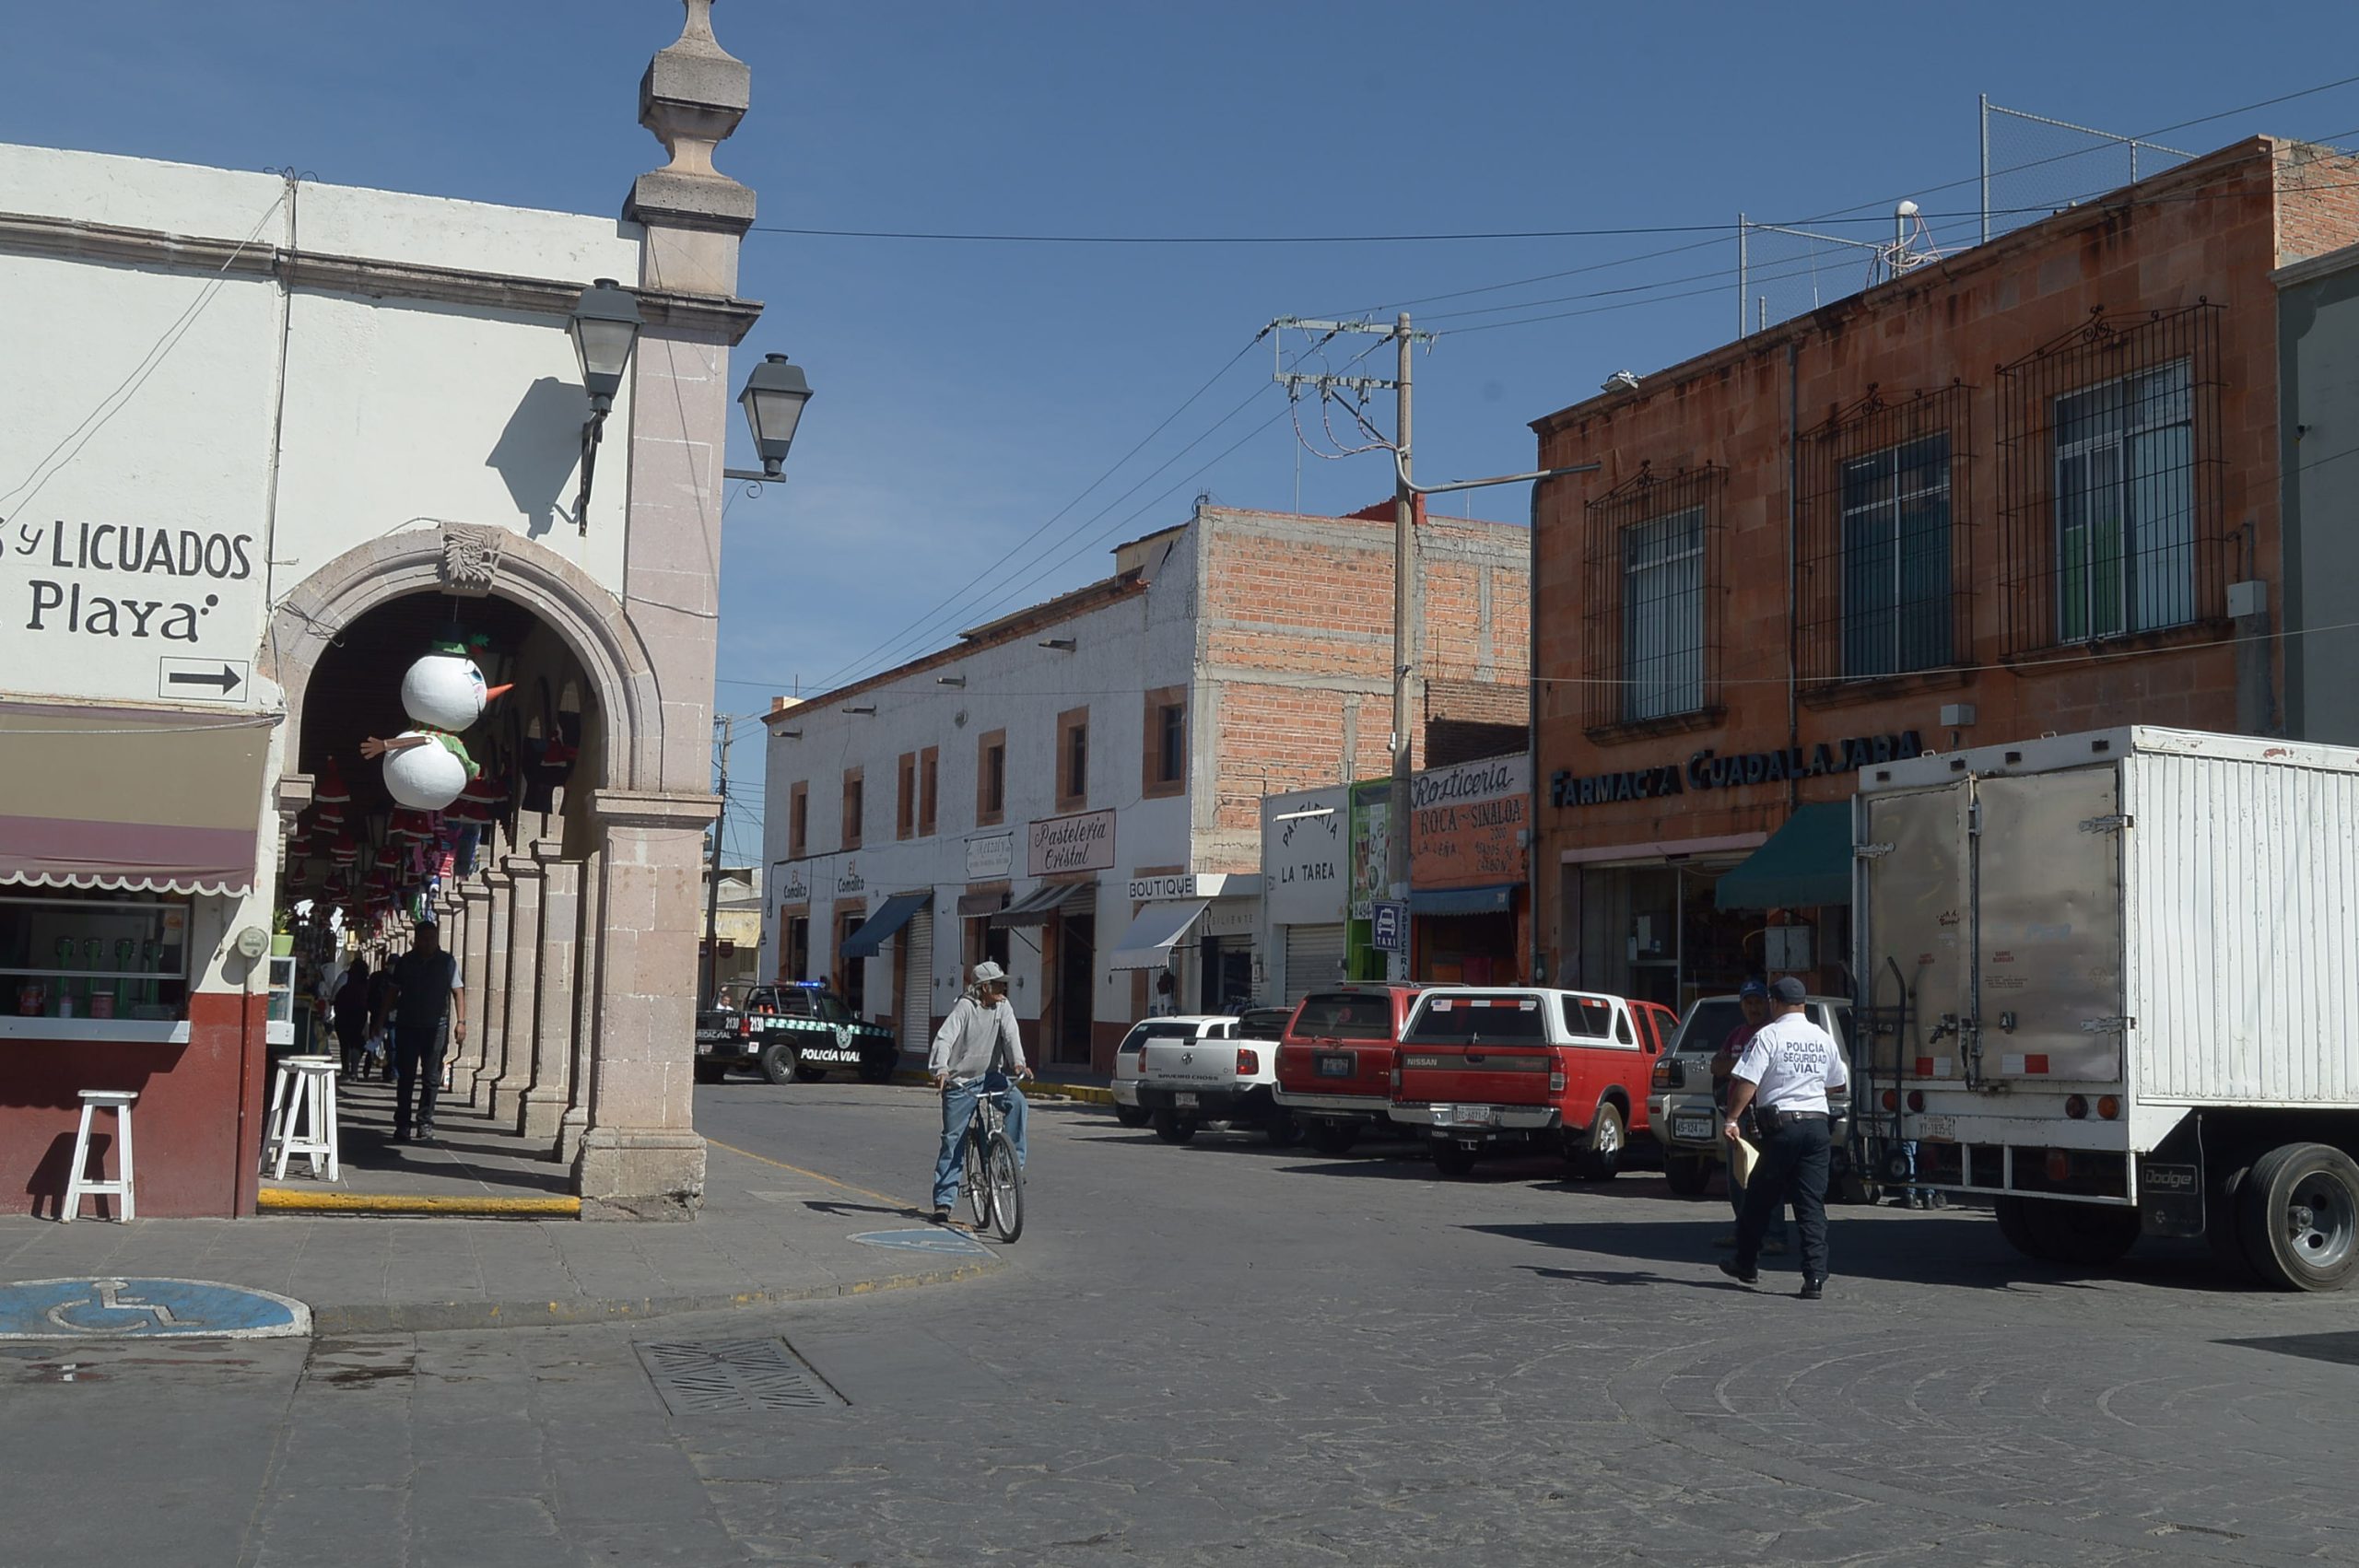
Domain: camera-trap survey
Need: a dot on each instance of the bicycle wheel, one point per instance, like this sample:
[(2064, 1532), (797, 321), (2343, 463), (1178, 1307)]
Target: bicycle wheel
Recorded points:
[(1007, 1188), (979, 1186)]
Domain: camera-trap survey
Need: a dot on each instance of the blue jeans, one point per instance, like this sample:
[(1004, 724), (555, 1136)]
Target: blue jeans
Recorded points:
[(958, 1110)]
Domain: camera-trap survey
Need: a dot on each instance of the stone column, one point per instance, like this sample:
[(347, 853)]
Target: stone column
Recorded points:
[(523, 986), (640, 1158), (475, 977), (542, 1106), (589, 943), (638, 1154), (488, 1006)]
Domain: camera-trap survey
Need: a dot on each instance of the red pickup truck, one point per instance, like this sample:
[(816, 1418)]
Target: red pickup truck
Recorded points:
[(1335, 1060), (1480, 1069)]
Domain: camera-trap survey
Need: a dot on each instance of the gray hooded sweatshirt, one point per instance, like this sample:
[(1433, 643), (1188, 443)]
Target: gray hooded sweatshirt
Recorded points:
[(968, 1038)]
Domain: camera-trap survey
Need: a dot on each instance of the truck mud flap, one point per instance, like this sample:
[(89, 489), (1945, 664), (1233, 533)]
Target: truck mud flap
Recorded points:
[(2171, 1198)]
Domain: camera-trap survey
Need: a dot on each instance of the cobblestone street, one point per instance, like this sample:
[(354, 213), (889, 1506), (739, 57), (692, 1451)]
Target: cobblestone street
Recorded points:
[(1226, 1352)]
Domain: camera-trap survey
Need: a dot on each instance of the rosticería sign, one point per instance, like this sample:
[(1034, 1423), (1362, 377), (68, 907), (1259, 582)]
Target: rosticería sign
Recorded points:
[(1709, 770)]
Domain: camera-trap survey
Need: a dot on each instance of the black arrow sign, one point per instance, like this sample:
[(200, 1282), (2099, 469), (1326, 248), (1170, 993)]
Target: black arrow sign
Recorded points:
[(227, 680)]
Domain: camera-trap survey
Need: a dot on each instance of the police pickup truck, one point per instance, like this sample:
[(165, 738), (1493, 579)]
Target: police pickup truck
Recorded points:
[(799, 1030)]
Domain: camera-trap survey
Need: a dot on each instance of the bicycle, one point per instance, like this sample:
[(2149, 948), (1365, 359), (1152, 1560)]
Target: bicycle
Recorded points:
[(995, 1180)]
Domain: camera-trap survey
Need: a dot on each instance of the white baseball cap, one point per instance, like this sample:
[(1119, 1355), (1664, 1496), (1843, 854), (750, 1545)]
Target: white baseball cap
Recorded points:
[(989, 973)]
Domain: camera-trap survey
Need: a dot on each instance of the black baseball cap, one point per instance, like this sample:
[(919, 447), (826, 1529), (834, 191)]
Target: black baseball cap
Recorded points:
[(1787, 990)]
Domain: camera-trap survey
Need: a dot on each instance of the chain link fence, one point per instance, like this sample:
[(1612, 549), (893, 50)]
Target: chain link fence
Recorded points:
[(2033, 165)]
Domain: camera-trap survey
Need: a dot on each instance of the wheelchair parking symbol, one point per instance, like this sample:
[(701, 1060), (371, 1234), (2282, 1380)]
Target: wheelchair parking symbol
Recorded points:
[(134, 1308)]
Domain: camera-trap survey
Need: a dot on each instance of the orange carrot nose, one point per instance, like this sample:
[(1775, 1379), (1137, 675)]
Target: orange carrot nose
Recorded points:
[(490, 691)]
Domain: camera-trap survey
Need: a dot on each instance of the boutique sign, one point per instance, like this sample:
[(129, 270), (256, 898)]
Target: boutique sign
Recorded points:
[(1709, 770)]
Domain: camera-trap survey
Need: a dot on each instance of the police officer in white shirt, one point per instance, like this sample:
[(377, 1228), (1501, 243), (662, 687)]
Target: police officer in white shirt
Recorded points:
[(1784, 1075)]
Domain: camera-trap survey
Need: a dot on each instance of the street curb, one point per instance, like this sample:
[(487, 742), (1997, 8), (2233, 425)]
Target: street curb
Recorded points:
[(300, 1200), (421, 1318), (1090, 1092)]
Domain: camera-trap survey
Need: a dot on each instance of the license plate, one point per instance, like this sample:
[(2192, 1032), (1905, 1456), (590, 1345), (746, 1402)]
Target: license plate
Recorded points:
[(1937, 1128), (1336, 1064), (1693, 1127), (1467, 1116), (1185, 1102)]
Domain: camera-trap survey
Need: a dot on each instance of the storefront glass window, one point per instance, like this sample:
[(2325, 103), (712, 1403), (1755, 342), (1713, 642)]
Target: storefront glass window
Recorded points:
[(94, 955)]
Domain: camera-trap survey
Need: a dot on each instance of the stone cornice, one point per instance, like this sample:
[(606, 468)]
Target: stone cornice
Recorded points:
[(71, 238), (648, 808)]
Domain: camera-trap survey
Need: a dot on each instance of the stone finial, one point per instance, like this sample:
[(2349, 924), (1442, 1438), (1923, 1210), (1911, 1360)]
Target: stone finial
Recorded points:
[(693, 94)]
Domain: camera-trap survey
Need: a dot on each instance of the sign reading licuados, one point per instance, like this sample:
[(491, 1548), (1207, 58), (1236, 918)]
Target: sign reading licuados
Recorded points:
[(1082, 843)]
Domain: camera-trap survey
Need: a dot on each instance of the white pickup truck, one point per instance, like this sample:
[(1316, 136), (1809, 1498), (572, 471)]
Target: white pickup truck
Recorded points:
[(1213, 1078)]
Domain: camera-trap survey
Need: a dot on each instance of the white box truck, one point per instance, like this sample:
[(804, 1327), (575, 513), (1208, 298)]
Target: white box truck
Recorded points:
[(2111, 981)]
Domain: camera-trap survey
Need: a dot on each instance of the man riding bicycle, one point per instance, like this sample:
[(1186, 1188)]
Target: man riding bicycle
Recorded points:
[(968, 1046)]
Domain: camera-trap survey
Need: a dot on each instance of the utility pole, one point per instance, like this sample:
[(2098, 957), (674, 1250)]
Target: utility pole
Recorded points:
[(1405, 604), (728, 728), (1408, 597)]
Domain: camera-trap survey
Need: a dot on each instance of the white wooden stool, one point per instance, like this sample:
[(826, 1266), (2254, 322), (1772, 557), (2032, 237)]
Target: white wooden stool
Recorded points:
[(302, 1116), (78, 1185)]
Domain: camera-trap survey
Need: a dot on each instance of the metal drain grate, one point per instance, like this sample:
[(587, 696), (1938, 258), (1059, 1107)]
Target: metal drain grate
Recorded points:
[(703, 1377)]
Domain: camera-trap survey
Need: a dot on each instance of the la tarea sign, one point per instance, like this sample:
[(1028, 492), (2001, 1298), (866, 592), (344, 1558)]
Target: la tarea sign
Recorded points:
[(1707, 771)]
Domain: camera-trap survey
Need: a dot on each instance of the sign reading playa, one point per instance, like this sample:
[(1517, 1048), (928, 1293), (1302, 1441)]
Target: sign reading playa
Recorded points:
[(1082, 843), (104, 601)]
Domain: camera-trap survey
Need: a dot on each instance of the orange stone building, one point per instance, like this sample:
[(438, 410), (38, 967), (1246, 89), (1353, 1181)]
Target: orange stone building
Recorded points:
[(2029, 487)]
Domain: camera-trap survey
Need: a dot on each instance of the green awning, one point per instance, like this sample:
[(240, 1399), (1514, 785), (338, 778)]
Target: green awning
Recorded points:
[(1806, 862)]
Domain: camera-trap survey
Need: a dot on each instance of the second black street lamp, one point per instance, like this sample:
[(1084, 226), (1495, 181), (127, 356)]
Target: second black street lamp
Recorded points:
[(774, 399)]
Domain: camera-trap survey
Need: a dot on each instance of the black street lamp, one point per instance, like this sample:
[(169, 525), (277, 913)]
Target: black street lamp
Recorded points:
[(774, 399), (604, 328)]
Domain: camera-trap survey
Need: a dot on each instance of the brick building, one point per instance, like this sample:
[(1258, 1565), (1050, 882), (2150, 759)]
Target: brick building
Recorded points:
[(1075, 788), (2032, 486)]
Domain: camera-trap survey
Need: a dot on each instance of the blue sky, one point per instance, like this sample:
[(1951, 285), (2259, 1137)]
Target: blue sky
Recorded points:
[(968, 394)]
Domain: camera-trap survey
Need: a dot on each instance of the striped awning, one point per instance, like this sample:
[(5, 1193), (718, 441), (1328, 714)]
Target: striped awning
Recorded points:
[(141, 799)]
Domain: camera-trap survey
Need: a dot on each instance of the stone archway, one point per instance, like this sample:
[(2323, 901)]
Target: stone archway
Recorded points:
[(469, 562), (542, 1059)]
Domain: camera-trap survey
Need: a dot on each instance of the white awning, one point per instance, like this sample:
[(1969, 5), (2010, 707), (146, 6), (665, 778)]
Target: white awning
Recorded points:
[(1147, 945)]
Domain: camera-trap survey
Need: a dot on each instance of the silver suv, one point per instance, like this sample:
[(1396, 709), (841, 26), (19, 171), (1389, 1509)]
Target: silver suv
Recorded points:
[(1680, 1108)]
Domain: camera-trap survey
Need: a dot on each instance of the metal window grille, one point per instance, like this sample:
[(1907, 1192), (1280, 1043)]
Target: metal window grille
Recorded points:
[(2110, 481), (1650, 625), (1885, 545)]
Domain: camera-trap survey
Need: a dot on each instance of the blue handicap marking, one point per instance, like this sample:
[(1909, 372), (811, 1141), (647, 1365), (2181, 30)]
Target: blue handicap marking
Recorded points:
[(127, 1308), (927, 1240)]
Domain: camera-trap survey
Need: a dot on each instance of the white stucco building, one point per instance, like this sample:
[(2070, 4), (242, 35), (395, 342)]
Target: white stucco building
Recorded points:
[(1075, 790), (261, 439)]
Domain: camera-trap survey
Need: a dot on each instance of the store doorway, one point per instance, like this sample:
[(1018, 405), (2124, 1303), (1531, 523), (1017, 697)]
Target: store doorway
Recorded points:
[(794, 948), (1225, 967), (1071, 987)]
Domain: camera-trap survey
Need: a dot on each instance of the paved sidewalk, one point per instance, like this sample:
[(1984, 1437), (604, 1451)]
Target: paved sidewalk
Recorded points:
[(768, 1233)]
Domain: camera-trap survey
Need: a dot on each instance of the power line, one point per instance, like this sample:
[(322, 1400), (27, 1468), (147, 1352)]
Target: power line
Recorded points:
[(1008, 559), (1459, 235)]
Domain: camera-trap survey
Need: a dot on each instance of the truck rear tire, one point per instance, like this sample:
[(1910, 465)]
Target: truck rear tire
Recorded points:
[(2015, 1224), (1131, 1115), (1281, 1126), (1598, 1156), (1172, 1127), (1334, 1139), (2085, 1235), (2299, 1213), (777, 1062), (1689, 1174), (2223, 1230)]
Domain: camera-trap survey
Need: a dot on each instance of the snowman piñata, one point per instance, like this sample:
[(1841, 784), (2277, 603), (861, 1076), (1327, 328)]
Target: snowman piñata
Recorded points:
[(444, 693)]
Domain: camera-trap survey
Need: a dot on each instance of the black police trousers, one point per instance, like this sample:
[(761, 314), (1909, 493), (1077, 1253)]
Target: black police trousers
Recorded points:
[(1792, 1166)]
